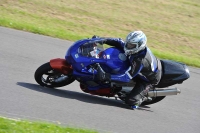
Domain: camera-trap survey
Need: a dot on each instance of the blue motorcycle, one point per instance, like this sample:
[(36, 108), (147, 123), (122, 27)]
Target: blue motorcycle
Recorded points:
[(83, 58)]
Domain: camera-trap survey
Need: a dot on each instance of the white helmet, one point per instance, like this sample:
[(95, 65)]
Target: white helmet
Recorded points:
[(135, 42)]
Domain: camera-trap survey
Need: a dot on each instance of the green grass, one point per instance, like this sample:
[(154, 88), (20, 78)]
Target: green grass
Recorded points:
[(172, 26), (22, 126)]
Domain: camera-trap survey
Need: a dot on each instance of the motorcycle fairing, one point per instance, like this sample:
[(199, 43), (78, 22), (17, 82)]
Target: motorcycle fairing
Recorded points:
[(61, 65), (111, 60), (101, 91), (77, 59)]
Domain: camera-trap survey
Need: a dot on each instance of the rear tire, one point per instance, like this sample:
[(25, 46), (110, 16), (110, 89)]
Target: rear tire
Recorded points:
[(45, 75)]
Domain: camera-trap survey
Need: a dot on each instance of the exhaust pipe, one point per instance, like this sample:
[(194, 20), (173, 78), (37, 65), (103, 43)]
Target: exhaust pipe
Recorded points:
[(163, 92)]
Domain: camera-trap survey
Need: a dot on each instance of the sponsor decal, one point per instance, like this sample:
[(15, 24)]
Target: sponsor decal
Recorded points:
[(76, 56), (108, 56)]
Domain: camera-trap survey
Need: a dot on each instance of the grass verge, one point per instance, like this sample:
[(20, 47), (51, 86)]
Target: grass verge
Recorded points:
[(22, 126)]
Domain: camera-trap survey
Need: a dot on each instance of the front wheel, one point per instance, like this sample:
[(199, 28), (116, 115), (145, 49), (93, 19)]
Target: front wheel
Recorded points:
[(45, 75)]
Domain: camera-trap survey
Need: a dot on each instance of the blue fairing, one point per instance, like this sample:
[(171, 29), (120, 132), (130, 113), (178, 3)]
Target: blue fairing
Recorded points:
[(84, 53), (117, 62)]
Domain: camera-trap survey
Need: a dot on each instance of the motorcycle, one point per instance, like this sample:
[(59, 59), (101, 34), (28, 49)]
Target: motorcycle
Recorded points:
[(83, 58)]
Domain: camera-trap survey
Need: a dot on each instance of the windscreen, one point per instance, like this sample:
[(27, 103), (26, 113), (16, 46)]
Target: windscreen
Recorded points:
[(91, 49)]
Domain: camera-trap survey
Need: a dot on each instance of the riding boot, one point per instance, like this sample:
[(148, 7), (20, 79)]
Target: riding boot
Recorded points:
[(137, 94)]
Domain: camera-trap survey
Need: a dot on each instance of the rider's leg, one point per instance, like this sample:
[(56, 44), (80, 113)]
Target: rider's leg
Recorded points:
[(137, 94)]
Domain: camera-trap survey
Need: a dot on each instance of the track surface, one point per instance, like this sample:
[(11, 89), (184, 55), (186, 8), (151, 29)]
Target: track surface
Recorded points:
[(20, 97)]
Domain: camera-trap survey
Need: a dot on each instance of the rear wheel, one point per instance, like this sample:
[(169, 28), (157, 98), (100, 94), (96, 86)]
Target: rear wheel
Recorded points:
[(154, 100), (45, 75)]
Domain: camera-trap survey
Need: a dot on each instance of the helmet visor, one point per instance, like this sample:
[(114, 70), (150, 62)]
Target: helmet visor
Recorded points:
[(131, 45)]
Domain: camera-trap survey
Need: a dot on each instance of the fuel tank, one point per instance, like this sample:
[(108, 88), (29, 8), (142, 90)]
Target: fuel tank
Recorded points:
[(117, 61)]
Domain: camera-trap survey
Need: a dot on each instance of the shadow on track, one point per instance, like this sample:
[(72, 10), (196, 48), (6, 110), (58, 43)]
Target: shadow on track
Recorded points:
[(84, 97)]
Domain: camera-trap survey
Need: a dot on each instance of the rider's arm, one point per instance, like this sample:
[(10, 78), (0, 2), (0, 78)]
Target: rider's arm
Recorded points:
[(116, 42), (136, 67)]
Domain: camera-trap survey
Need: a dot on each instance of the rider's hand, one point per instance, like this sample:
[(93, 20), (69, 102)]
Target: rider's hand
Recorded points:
[(102, 75)]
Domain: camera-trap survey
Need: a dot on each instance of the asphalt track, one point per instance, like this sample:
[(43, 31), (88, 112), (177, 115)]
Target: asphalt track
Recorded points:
[(20, 96)]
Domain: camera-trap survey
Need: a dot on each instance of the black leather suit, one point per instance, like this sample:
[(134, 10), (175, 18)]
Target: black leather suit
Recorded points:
[(143, 63)]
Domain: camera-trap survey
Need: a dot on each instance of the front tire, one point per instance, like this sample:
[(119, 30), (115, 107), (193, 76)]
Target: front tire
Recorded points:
[(45, 75)]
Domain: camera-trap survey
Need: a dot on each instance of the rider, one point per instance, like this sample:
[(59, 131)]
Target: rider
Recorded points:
[(142, 62)]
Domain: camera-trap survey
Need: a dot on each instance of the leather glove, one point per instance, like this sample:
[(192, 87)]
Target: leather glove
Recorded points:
[(101, 74)]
